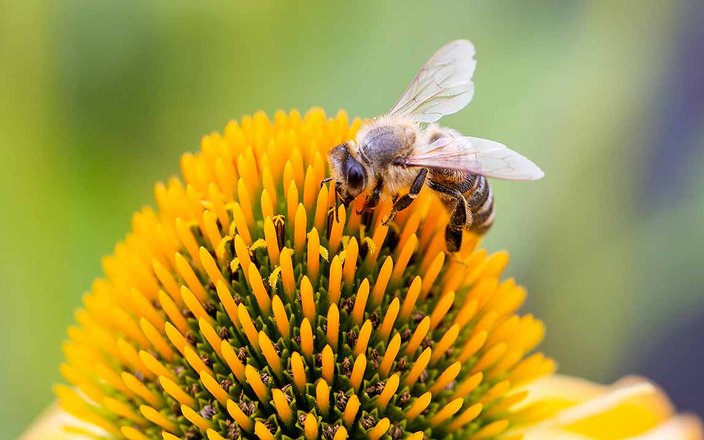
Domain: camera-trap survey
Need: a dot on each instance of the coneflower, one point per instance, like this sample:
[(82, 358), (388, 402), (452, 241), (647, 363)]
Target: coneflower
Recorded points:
[(245, 307)]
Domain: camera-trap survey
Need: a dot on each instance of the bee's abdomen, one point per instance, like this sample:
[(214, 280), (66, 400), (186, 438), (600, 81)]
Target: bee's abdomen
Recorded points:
[(480, 202)]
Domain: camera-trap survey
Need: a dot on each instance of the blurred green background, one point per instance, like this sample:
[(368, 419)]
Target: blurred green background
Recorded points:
[(98, 99)]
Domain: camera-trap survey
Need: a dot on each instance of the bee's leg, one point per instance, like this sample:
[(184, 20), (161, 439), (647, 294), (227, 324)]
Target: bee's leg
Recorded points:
[(459, 218), (453, 239), (323, 182), (340, 198), (373, 200), (405, 200), (346, 200)]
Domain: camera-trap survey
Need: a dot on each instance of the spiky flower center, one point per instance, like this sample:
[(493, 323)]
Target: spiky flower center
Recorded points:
[(244, 308)]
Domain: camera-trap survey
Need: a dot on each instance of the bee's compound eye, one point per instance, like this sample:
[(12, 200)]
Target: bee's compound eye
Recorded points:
[(355, 176)]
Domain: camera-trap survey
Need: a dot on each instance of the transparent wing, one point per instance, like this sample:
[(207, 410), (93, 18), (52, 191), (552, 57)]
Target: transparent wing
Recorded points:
[(477, 156), (442, 86)]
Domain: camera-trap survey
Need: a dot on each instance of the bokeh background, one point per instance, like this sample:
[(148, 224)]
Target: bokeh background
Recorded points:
[(98, 99)]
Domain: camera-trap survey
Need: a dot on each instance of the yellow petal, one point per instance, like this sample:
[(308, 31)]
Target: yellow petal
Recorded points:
[(630, 408), (56, 424)]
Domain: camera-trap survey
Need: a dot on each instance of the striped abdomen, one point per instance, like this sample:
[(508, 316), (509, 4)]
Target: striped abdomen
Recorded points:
[(480, 202), (477, 193)]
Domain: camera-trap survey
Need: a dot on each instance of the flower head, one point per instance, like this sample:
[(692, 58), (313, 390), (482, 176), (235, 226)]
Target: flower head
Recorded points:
[(245, 306)]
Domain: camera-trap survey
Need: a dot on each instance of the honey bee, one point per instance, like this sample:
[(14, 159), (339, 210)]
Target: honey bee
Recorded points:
[(406, 149)]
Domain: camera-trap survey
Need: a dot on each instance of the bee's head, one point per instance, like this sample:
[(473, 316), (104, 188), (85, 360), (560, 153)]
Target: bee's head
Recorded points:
[(349, 174)]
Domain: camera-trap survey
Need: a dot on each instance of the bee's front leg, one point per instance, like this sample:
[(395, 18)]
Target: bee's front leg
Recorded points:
[(405, 200), (373, 199), (341, 198)]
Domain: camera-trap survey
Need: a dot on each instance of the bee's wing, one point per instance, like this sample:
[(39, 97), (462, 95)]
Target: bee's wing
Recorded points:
[(477, 156), (442, 86)]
